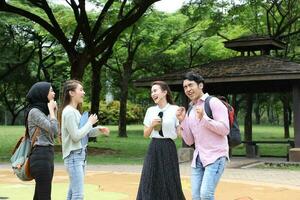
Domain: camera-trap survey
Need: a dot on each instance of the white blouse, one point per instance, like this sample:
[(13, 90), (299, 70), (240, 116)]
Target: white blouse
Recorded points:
[(169, 121)]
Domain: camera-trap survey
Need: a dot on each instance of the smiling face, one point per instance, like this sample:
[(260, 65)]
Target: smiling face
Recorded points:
[(158, 94), (77, 94), (192, 90)]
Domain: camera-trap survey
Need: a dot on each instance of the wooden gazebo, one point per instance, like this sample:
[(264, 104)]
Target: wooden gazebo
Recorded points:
[(247, 74), (238, 75)]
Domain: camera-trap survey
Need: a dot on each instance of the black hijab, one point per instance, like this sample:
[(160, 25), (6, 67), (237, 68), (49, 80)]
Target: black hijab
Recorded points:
[(38, 98)]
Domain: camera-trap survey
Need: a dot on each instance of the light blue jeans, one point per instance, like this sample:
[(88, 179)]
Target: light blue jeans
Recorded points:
[(204, 180), (75, 165)]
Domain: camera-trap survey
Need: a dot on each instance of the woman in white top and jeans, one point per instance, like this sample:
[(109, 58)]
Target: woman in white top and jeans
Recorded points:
[(160, 177), (74, 138)]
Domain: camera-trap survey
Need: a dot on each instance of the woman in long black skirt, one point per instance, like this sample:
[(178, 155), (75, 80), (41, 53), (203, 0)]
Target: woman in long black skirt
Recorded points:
[(160, 179)]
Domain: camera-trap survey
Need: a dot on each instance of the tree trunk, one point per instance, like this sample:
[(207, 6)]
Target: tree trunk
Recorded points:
[(95, 92), (78, 64), (96, 84), (257, 113), (271, 118), (95, 88), (124, 97), (125, 78), (13, 120), (248, 117)]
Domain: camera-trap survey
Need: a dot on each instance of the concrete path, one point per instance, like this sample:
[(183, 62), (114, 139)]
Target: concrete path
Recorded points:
[(239, 181), (238, 169)]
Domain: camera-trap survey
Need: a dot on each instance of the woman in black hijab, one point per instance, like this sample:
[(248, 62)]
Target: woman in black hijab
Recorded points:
[(40, 116)]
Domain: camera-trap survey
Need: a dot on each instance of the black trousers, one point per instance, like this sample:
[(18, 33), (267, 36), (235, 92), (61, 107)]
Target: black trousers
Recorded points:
[(41, 169)]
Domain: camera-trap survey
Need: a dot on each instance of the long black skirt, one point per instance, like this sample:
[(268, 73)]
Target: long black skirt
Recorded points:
[(160, 179)]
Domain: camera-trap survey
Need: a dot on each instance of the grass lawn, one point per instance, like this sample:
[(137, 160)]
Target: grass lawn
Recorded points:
[(107, 150), (131, 150), (266, 132)]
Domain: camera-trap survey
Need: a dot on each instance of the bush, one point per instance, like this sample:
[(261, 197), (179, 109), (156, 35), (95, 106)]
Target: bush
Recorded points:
[(109, 113)]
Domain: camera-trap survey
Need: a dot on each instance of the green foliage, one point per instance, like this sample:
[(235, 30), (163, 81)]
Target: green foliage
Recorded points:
[(15, 65), (109, 113), (27, 54), (213, 22), (213, 49), (267, 108)]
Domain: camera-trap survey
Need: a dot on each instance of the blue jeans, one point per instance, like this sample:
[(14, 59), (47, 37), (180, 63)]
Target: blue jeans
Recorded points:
[(204, 180), (75, 165)]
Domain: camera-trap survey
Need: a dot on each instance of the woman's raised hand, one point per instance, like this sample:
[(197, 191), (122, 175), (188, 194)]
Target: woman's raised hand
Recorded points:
[(104, 130), (93, 119), (52, 105)]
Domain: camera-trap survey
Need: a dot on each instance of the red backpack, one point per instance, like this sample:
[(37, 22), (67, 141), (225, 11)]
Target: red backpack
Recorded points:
[(234, 136)]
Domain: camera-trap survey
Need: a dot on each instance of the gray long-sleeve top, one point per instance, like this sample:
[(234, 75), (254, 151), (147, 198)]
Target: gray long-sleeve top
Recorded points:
[(48, 127)]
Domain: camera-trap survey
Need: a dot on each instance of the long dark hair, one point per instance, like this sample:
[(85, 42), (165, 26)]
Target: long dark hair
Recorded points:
[(69, 85), (164, 87)]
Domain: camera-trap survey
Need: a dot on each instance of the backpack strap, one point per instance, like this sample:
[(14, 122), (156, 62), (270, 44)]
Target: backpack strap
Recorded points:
[(33, 140), (18, 144), (207, 108), (189, 109), (36, 133)]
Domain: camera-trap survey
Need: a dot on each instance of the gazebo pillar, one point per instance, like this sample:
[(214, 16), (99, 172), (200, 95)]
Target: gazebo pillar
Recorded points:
[(294, 153)]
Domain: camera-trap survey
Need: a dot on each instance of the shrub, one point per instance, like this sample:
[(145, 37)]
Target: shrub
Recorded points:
[(109, 113)]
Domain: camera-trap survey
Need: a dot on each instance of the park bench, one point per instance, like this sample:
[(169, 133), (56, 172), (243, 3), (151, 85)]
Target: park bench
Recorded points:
[(252, 149)]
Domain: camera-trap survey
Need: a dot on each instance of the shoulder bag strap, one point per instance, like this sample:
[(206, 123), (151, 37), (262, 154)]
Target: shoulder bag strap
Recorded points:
[(36, 133)]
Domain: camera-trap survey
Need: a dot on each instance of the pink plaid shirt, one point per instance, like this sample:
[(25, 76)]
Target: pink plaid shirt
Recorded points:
[(209, 135)]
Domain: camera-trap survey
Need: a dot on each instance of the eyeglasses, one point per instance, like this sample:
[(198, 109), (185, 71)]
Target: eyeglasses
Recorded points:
[(160, 132)]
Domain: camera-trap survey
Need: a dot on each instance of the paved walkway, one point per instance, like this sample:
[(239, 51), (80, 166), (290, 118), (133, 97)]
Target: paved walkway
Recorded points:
[(238, 169), (239, 182)]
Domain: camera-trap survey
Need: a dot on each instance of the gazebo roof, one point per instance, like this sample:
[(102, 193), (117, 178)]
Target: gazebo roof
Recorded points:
[(254, 43), (238, 75)]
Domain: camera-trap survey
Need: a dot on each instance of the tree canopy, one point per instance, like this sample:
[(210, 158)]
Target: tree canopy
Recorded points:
[(118, 41)]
